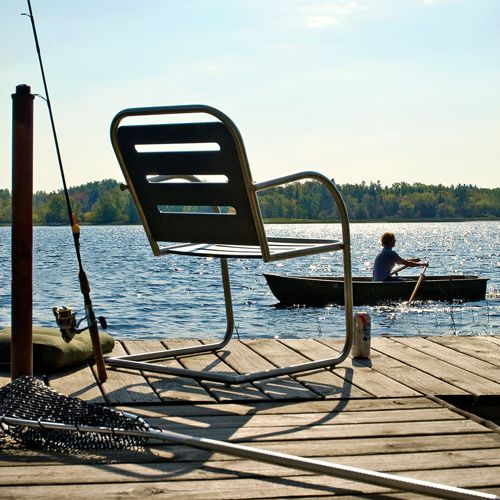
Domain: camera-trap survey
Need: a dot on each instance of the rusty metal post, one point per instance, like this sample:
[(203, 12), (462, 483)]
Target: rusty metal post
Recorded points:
[(22, 232)]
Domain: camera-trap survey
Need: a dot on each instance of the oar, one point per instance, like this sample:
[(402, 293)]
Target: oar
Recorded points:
[(417, 286)]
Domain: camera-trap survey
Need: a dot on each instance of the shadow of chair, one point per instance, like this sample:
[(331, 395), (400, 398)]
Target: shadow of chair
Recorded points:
[(192, 187)]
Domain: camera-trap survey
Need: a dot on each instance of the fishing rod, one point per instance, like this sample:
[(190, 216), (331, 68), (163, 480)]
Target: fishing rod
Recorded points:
[(66, 319)]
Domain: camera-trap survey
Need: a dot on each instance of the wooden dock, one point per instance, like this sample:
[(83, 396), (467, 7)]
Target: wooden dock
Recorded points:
[(423, 407)]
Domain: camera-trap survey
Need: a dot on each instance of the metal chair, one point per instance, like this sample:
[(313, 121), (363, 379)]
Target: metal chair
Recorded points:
[(164, 165)]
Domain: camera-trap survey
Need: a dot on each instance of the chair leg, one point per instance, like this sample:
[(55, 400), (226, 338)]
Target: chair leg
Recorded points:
[(183, 351), (138, 361)]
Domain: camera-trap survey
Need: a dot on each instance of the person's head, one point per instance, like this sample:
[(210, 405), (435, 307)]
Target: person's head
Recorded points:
[(388, 240)]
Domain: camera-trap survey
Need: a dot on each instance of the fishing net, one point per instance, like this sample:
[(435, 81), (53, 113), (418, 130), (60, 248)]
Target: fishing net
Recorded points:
[(30, 399)]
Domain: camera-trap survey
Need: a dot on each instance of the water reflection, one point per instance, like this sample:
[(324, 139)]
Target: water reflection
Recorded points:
[(147, 297)]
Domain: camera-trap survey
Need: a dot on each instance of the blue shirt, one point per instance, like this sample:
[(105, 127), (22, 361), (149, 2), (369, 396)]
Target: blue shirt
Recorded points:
[(384, 262)]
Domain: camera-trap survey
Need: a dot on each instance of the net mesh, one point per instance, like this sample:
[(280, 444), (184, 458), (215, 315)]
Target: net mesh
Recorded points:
[(30, 399)]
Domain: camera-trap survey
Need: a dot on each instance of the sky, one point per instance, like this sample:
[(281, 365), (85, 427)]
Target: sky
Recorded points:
[(359, 90)]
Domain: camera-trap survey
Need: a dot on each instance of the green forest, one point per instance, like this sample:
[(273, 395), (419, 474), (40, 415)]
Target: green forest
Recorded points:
[(103, 202)]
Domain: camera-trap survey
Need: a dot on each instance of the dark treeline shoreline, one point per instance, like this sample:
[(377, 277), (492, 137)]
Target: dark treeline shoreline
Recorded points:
[(103, 202)]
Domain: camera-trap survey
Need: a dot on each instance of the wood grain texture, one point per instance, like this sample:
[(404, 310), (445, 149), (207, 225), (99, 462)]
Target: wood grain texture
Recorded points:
[(368, 413)]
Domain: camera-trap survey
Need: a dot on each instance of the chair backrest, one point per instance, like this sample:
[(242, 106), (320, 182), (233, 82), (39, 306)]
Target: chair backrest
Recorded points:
[(156, 160)]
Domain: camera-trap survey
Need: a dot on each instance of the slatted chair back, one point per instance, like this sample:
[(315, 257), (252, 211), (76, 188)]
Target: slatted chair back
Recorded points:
[(159, 158)]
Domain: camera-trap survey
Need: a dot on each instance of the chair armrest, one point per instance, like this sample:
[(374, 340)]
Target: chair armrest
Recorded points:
[(287, 179), (332, 188)]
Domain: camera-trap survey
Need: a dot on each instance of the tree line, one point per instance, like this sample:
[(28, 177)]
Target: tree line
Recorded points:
[(103, 202), (401, 201)]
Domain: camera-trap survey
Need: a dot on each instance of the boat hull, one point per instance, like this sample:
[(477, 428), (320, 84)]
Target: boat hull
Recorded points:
[(322, 290)]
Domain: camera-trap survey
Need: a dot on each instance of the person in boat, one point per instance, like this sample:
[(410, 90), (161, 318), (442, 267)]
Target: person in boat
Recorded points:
[(388, 258)]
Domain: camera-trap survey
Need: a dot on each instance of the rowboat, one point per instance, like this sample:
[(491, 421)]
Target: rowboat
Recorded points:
[(321, 290)]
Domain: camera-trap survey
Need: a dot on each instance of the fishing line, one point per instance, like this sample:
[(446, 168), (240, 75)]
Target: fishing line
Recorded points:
[(65, 318)]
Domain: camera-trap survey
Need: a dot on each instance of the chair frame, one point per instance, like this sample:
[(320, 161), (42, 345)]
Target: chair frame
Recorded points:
[(143, 361)]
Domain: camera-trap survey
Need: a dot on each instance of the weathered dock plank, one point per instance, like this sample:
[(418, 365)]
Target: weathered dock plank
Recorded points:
[(495, 339), (169, 388), (126, 386), (321, 382), (4, 377), (323, 431), (204, 469), (244, 359), (351, 447), (474, 347), (442, 370), (79, 383), (409, 374), (302, 421), (361, 376), (213, 362), (251, 483), (289, 407), (478, 367), (209, 489)]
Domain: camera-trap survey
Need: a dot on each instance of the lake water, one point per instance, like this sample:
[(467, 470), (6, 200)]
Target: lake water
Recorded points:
[(155, 297)]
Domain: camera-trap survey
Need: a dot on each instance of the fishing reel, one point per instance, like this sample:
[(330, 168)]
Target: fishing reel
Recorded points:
[(69, 325)]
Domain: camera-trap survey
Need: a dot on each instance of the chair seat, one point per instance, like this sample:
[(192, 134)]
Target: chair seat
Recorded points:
[(277, 247)]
